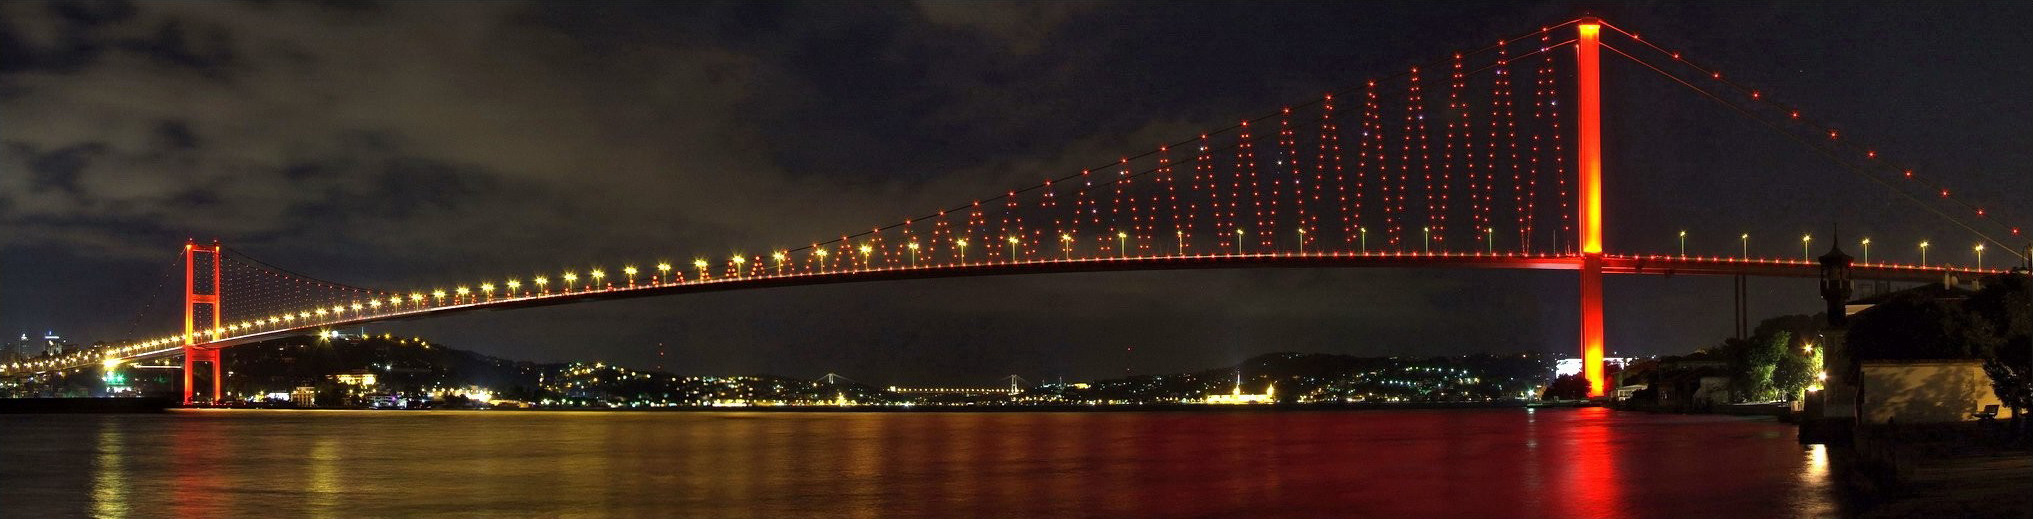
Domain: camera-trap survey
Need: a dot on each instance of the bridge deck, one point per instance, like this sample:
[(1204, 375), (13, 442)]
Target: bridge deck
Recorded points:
[(1613, 264)]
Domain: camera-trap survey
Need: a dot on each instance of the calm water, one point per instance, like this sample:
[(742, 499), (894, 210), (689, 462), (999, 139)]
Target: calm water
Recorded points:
[(1451, 463)]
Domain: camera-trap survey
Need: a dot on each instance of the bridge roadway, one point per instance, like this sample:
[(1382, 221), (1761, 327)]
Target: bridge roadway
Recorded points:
[(1667, 265)]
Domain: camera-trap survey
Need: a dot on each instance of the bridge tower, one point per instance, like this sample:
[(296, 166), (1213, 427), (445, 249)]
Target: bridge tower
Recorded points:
[(1588, 144), (201, 308)]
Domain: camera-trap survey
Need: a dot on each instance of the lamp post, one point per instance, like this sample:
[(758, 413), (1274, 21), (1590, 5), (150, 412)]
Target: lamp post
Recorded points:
[(1923, 253), (1013, 241), (1980, 257), (1683, 243), (1867, 250), (739, 261), (1066, 246), (1122, 244), (599, 278), (780, 257), (820, 255), (630, 271), (1182, 242), (913, 246), (1747, 245), (867, 255), (663, 272), (1427, 234), (1804, 238), (1362, 238), (701, 265), (1302, 241), (541, 283), (571, 281), (961, 249), (1238, 241), (1491, 238)]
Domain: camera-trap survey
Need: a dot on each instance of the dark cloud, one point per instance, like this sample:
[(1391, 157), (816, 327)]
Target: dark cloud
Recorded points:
[(406, 145), (59, 170)]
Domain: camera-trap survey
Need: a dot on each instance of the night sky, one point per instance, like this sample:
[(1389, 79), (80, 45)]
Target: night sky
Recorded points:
[(409, 145)]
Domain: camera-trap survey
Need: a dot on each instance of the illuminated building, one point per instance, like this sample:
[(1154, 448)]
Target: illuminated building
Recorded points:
[(357, 378), (1238, 397), (305, 396)]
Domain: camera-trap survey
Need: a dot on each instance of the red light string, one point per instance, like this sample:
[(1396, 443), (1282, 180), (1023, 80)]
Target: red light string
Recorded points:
[(1856, 151), (1328, 164), (1504, 126), (1558, 132), (1456, 83), (1288, 149)]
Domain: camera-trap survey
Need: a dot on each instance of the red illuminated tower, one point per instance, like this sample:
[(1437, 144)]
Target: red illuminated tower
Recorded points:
[(1588, 142), (201, 305)]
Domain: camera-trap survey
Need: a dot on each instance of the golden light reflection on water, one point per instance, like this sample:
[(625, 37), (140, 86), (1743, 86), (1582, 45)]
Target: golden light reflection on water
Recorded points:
[(1489, 463), (323, 482), (109, 472)]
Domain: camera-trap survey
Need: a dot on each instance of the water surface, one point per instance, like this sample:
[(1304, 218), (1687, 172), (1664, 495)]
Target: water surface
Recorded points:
[(1439, 463)]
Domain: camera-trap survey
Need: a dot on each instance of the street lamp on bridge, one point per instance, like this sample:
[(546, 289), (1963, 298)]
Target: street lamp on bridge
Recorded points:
[(1238, 241), (1804, 238), (1066, 245), (599, 278), (663, 272), (1121, 244), (1427, 234), (781, 256), (541, 283), (571, 280), (701, 265), (1747, 245), (821, 255), (1683, 243), (1867, 250), (1013, 241), (1923, 253), (913, 246), (961, 250), (1980, 257), (630, 271)]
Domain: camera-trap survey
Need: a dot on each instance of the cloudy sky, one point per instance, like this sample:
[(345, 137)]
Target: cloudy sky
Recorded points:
[(401, 145)]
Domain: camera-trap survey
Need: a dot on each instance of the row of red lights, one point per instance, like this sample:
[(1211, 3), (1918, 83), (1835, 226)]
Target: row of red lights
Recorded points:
[(1869, 154)]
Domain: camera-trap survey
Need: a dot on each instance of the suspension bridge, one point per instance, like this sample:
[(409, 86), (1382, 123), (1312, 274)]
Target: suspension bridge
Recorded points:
[(1483, 159)]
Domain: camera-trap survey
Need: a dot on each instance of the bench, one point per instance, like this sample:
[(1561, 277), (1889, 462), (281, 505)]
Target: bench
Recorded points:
[(1987, 415)]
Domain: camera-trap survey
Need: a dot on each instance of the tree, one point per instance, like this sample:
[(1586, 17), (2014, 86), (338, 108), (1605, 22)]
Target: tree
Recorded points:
[(2004, 303), (1797, 370), (1567, 387), (1920, 327)]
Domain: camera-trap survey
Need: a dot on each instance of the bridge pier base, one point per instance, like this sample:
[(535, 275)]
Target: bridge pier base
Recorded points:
[(194, 355), (1592, 367)]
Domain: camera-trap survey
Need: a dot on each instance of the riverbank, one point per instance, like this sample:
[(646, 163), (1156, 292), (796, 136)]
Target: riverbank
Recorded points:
[(937, 408), (83, 405), (1943, 470)]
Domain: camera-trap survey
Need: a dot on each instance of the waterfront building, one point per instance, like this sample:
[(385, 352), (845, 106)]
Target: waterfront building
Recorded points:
[(1236, 396)]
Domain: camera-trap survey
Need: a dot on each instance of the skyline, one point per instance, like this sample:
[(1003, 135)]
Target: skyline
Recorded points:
[(444, 182)]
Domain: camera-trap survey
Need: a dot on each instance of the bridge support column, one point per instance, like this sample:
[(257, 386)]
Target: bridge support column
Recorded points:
[(1588, 145), (1591, 325), (193, 356), (202, 313)]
